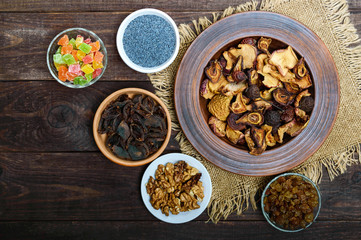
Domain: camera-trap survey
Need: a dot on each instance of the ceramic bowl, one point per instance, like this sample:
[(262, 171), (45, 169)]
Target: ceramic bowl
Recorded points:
[(120, 34), (100, 139), (191, 107), (182, 217), (72, 33)]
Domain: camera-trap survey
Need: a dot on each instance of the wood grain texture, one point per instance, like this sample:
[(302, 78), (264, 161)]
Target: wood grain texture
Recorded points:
[(25, 37), (114, 5), (192, 110), (87, 186), (152, 230), (46, 116), (55, 184), (125, 5)]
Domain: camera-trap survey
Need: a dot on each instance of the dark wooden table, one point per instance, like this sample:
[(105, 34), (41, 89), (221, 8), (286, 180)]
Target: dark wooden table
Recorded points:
[(54, 182)]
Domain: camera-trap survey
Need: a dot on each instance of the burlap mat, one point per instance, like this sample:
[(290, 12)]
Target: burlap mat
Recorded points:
[(329, 19)]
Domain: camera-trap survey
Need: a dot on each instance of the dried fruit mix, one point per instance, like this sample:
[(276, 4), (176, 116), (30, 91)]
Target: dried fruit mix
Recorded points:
[(256, 96), (77, 60)]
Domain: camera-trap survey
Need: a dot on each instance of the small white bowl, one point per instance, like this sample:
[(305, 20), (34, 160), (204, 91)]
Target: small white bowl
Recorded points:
[(120, 34), (182, 217)]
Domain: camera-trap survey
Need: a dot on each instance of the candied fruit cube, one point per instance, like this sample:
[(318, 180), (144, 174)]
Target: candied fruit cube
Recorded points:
[(80, 55), (80, 81), (72, 42), (88, 59), (75, 68), (62, 73), (87, 69), (88, 40), (98, 57), (85, 48), (59, 50), (79, 40), (58, 58), (74, 53), (64, 41), (70, 76), (97, 65), (97, 72), (95, 46), (69, 59), (89, 77), (58, 65), (66, 49)]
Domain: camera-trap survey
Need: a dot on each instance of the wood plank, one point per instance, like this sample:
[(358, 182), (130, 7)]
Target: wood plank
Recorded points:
[(24, 39), (46, 116), (153, 230), (126, 5), (113, 5), (87, 186)]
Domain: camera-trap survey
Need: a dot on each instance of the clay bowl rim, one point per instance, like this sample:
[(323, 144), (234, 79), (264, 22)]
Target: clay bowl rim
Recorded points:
[(267, 167), (100, 143)]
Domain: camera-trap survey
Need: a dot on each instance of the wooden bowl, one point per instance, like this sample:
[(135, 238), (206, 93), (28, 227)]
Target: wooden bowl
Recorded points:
[(191, 107), (101, 138)]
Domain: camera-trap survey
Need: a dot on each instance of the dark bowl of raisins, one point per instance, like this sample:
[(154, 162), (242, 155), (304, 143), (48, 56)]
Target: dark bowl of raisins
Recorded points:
[(291, 202)]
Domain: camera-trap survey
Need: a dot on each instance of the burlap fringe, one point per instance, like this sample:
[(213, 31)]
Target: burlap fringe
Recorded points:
[(337, 13)]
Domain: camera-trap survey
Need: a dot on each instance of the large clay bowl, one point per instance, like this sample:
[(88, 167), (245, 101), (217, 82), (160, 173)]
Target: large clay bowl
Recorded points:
[(191, 107)]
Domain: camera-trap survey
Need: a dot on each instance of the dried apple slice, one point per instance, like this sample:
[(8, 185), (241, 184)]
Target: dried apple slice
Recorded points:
[(252, 118), (231, 60), (216, 88), (248, 52), (214, 71), (304, 82), (295, 128), (217, 126), (232, 89), (269, 81), (284, 59), (205, 91), (300, 69), (270, 140), (238, 106), (236, 137), (263, 44), (261, 61), (282, 96)]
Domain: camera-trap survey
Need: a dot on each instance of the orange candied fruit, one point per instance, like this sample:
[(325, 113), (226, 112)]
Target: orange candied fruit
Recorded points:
[(66, 49), (95, 46), (98, 57), (70, 76), (64, 41), (62, 73), (74, 53)]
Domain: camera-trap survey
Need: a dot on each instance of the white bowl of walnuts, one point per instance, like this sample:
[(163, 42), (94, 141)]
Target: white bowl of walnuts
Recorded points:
[(176, 188)]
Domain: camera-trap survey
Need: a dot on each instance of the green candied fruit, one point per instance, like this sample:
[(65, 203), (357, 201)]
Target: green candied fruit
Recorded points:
[(69, 59), (58, 58), (72, 42), (59, 50), (85, 48), (79, 81), (89, 77)]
